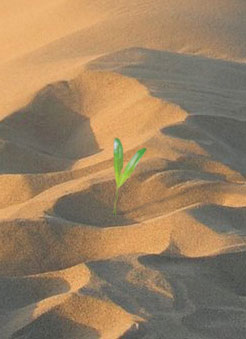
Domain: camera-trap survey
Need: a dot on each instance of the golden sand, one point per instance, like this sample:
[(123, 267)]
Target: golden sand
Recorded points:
[(166, 75)]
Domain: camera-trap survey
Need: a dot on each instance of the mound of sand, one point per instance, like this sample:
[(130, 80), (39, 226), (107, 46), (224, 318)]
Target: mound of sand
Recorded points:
[(166, 75)]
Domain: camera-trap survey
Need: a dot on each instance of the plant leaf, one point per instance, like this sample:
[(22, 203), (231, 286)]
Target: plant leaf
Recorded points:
[(118, 159), (131, 166)]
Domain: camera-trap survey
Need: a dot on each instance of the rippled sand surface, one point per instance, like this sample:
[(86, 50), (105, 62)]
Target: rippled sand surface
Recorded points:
[(166, 75)]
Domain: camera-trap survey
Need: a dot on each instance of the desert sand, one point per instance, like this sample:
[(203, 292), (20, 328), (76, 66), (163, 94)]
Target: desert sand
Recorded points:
[(166, 75)]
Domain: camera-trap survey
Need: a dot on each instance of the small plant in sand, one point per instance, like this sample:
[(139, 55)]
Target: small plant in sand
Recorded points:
[(120, 178)]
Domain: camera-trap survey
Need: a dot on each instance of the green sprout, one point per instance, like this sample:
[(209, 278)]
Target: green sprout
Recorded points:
[(120, 178)]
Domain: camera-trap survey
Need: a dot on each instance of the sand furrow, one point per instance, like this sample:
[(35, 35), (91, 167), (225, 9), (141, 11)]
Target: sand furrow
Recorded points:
[(169, 76)]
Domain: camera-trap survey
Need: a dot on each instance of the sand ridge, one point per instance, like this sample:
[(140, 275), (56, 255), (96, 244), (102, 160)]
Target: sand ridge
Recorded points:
[(168, 76)]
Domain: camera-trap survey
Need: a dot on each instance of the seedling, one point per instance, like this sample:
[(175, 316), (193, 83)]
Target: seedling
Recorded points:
[(120, 178)]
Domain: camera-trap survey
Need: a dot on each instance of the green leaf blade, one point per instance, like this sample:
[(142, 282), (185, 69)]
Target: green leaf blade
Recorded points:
[(118, 159), (131, 166)]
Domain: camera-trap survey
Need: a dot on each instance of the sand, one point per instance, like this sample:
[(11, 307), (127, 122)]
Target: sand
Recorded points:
[(166, 75)]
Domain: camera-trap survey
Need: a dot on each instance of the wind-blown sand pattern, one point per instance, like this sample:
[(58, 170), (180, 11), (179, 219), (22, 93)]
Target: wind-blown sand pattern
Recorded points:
[(166, 75)]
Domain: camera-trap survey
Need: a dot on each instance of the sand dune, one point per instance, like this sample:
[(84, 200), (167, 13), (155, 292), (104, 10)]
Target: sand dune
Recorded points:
[(166, 75), (47, 41)]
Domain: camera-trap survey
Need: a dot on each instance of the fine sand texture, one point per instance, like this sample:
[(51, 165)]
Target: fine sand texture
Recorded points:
[(168, 75)]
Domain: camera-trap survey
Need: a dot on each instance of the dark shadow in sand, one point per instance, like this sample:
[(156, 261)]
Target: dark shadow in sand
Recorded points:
[(192, 82), (223, 138), (213, 90), (133, 298), (222, 219), (47, 135), (51, 325), (17, 292), (226, 270), (93, 206)]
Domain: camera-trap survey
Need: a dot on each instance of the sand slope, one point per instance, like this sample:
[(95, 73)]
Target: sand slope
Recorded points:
[(168, 76)]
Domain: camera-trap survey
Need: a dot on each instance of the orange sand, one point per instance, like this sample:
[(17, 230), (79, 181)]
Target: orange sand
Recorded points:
[(166, 75)]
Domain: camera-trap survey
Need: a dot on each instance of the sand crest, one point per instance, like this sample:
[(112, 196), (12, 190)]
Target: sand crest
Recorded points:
[(166, 75)]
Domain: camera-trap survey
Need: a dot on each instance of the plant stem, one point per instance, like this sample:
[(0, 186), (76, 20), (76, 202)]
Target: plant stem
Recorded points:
[(115, 201)]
